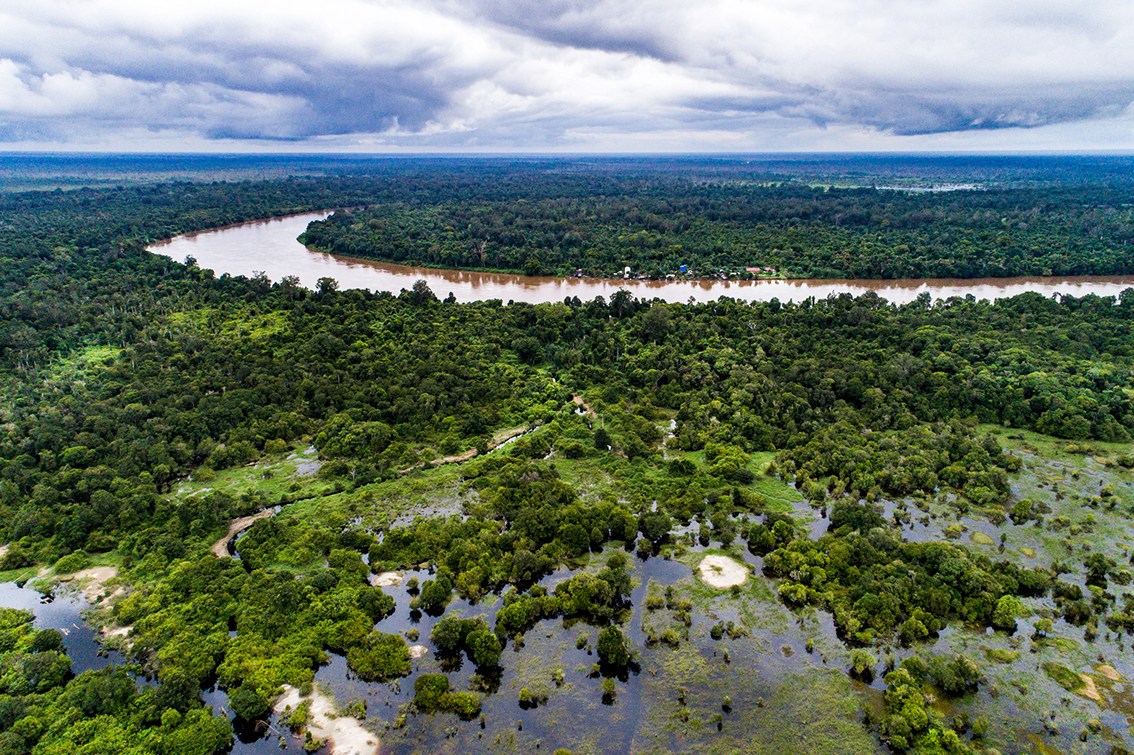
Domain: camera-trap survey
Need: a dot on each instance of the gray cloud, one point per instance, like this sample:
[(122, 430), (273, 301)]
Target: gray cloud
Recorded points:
[(503, 74)]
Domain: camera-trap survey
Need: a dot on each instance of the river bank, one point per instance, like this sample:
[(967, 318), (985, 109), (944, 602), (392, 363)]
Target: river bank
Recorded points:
[(270, 247)]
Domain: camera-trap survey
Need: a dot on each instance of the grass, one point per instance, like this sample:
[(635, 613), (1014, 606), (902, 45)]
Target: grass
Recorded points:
[(781, 496), (273, 477), (257, 327), (1058, 644), (427, 492), (19, 575), (979, 538), (1063, 676), (1001, 655), (824, 716), (820, 703), (1052, 447), (81, 361)]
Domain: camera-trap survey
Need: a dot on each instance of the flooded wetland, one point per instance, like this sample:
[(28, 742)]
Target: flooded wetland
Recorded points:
[(694, 686)]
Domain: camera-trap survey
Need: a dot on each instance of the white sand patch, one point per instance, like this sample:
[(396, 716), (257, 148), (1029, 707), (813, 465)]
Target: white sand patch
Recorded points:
[(346, 735), (582, 407), (417, 651), (722, 572), (386, 579), (117, 636), (92, 582)]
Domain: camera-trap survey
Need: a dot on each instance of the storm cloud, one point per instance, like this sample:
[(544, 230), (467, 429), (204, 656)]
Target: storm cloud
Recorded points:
[(568, 74)]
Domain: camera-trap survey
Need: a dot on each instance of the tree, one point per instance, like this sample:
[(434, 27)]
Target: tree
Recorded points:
[(484, 648), (855, 516), (247, 703), (382, 656), (955, 675), (428, 690), (421, 294), (613, 649), (435, 594), (656, 323), (1008, 609), (448, 635), (655, 525)]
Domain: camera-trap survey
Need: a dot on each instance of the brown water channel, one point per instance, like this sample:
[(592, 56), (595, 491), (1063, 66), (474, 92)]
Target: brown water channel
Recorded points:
[(270, 246)]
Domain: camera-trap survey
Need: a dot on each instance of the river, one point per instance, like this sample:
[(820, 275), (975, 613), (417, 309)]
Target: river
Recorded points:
[(270, 246)]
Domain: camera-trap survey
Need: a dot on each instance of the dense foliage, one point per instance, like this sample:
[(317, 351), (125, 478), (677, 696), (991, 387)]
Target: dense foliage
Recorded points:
[(876, 585), (125, 373), (660, 223), (41, 704)]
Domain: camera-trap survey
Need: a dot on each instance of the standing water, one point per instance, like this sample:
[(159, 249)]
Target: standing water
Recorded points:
[(63, 611)]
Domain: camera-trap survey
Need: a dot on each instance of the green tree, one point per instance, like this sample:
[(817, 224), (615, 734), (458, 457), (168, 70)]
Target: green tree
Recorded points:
[(613, 648)]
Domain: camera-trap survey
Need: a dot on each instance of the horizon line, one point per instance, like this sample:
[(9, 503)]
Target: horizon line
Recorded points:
[(563, 154)]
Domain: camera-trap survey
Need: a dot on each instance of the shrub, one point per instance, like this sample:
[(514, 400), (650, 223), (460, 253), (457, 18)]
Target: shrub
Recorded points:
[(608, 690), (612, 648), (428, 690), (431, 693), (465, 704), (247, 703), (571, 449), (862, 663), (72, 563), (382, 656), (1008, 609)]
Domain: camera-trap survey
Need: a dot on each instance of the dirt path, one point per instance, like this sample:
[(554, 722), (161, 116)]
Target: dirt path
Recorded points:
[(220, 547), (498, 440)]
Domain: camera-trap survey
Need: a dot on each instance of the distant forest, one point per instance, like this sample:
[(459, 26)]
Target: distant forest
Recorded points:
[(565, 219)]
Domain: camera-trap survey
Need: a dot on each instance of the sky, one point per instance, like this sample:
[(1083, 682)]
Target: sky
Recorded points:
[(567, 75)]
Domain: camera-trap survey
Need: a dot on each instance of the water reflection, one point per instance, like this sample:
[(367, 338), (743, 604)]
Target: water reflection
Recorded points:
[(270, 247), (63, 610)]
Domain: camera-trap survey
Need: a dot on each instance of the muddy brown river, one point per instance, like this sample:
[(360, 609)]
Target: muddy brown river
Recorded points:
[(270, 246)]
